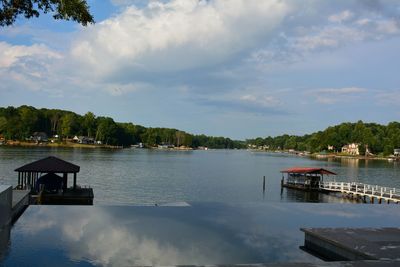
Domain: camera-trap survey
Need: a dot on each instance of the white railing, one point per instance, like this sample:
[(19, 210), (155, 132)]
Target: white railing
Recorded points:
[(361, 189)]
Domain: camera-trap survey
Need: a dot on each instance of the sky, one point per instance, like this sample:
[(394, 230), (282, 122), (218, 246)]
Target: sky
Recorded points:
[(233, 68)]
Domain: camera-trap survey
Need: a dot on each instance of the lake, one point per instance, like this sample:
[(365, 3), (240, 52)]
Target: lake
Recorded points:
[(146, 177)]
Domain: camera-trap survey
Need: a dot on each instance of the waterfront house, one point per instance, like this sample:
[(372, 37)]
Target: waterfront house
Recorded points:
[(86, 140), (47, 181), (304, 178), (396, 152), (39, 137), (165, 146), (351, 149)]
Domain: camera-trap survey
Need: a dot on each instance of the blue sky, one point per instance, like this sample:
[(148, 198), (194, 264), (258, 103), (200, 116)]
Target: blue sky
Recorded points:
[(237, 68)]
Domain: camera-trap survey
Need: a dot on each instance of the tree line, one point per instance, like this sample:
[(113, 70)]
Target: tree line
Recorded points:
[(380, 139), (21, 122)]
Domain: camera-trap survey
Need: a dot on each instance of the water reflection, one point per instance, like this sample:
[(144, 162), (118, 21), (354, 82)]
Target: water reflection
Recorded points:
[(292, 195), (204, 233)]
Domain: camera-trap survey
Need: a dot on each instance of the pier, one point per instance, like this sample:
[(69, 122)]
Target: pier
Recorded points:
[(362, 191), (46, 180), (312, 179), (354, 244)]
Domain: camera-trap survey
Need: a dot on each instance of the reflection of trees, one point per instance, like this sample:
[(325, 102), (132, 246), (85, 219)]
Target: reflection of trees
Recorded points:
[(352, 170)]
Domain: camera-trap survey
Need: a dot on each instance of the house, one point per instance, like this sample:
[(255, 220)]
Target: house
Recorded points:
[(165, 146), (39, 137), (85, 140), (351, 149), (331, 148), (396, 152)]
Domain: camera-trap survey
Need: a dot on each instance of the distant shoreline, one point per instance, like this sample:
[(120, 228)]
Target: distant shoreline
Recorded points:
[(325, 156), (94, 146), (62, 145), (89, 146)]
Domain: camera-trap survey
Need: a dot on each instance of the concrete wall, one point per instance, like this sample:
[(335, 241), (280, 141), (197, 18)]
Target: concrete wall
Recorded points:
[(5, 204)]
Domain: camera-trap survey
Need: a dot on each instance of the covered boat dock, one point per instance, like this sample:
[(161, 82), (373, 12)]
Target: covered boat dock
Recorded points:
[(304, 178), (47, 181)]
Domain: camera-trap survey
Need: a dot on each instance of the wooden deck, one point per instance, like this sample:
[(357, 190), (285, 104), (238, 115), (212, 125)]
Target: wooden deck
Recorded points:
[(354, 244), (78, 196), (363, 191)]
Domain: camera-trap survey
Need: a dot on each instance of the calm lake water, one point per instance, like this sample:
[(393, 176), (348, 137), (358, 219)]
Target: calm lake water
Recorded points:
[(137, 177)]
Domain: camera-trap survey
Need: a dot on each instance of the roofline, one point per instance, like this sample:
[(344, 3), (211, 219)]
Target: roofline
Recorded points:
[(308, 170)]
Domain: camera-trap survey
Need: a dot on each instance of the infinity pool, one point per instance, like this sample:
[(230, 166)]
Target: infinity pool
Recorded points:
[(198, 233)]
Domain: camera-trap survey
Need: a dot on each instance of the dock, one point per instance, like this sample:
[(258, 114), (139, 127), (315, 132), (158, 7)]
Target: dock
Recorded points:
[(354, 244), (47, 182), (362, 191), (312, 179)]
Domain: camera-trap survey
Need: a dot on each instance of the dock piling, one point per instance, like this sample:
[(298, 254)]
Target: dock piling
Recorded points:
[(264, 183)]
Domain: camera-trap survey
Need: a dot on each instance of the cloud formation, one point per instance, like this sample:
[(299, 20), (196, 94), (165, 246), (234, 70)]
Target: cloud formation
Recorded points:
[(216, 50), (335, 95), (175, 36)]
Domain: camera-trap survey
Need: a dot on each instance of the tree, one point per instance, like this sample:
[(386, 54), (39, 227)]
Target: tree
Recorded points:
[(89, 123), (107, 131), (68, 124), (76, 10)]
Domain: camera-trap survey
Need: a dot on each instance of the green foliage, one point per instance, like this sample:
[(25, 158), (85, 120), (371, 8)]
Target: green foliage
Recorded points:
[(76, 10), (379, 138), (89, 122), (20, 123)]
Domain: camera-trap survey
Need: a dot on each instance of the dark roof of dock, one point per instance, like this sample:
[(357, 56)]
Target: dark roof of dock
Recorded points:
[(308, 170), (49, 164)]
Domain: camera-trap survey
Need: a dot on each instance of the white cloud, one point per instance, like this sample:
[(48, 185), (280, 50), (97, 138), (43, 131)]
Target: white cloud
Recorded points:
[(141, 46), (388, 27), (178, 35), (334, 95), (260, 100), (13, 54), (341, 17), (340, 91)]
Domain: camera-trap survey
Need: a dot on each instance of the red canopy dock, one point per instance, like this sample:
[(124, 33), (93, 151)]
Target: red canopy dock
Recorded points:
[(304, 178)]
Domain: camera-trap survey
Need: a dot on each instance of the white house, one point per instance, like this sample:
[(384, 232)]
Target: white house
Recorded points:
[(351, 149)]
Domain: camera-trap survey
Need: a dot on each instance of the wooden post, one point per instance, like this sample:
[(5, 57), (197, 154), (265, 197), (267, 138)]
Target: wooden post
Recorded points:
[(75, 180), (65, 181), (264, 183), (372, 200)]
